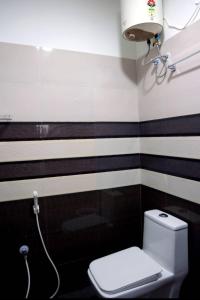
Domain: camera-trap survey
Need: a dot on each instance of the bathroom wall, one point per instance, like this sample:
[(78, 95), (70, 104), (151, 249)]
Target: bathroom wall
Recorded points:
[(74, 137), (91, 26), (177, 13), (170, 140)]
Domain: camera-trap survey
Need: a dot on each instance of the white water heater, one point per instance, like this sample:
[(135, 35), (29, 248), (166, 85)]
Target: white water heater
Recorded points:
[(141, 19)]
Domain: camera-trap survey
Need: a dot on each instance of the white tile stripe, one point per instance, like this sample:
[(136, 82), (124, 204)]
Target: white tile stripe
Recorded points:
[(37, 150), (180, 187), (187, 147), (22, 189)]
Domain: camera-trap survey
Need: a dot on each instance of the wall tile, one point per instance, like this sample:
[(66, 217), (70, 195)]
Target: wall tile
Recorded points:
[(66, 68), (187, 125), (23, 189), (21, 131), (82, 227), (187, 147), (38, 150), (114, 73), (39, 81), (19, 64), (116, 100), (175, 94), (176, 166)]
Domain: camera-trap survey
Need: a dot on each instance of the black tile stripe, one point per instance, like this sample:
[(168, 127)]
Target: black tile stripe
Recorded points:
[(70, 166), (177, 126), (188, 125), (23, 131), (176, 166)]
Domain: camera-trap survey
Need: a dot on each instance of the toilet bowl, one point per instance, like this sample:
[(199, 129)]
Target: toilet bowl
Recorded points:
[(157, 270)]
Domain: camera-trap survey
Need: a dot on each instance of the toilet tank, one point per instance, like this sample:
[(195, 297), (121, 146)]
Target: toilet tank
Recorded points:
[(165, 239)]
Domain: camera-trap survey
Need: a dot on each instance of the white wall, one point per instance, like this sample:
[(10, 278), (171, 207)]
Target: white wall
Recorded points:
[(91, 26), (177, 13)]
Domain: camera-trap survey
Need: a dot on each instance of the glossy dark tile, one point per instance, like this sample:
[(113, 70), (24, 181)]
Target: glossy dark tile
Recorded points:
[(76, 228), (17, 228), (71, 166), (176, 166), (175, 126), (16, 131), (92, 224), (11, 131)]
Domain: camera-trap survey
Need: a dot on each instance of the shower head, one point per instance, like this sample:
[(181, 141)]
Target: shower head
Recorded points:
[(36, 208)]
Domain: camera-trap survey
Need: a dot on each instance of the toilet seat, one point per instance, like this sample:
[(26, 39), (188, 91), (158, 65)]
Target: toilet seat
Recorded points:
[(124, 270)]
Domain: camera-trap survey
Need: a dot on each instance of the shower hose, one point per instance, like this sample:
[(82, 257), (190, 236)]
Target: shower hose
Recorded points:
[(25, 249), (48, 256), (29, 277)]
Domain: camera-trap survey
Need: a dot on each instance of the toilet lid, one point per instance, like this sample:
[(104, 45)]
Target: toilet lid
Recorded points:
[(124, 270)]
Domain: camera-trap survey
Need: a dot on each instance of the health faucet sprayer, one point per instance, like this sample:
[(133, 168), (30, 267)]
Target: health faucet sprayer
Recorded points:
[(36, 210)]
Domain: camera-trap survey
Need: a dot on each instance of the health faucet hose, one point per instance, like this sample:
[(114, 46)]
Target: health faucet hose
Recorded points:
[(36, 210)]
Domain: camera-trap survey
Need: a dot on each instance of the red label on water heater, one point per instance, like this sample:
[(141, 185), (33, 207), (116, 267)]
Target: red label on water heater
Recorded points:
[(152, 8), (151, 3)]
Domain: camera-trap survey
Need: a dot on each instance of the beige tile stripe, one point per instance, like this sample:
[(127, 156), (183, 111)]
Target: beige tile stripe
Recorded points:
[(23, 189), (187, 147), (38, 150), (184, 188)]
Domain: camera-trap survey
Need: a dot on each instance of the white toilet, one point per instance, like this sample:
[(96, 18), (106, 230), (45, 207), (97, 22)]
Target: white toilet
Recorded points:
[(157, 270)]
